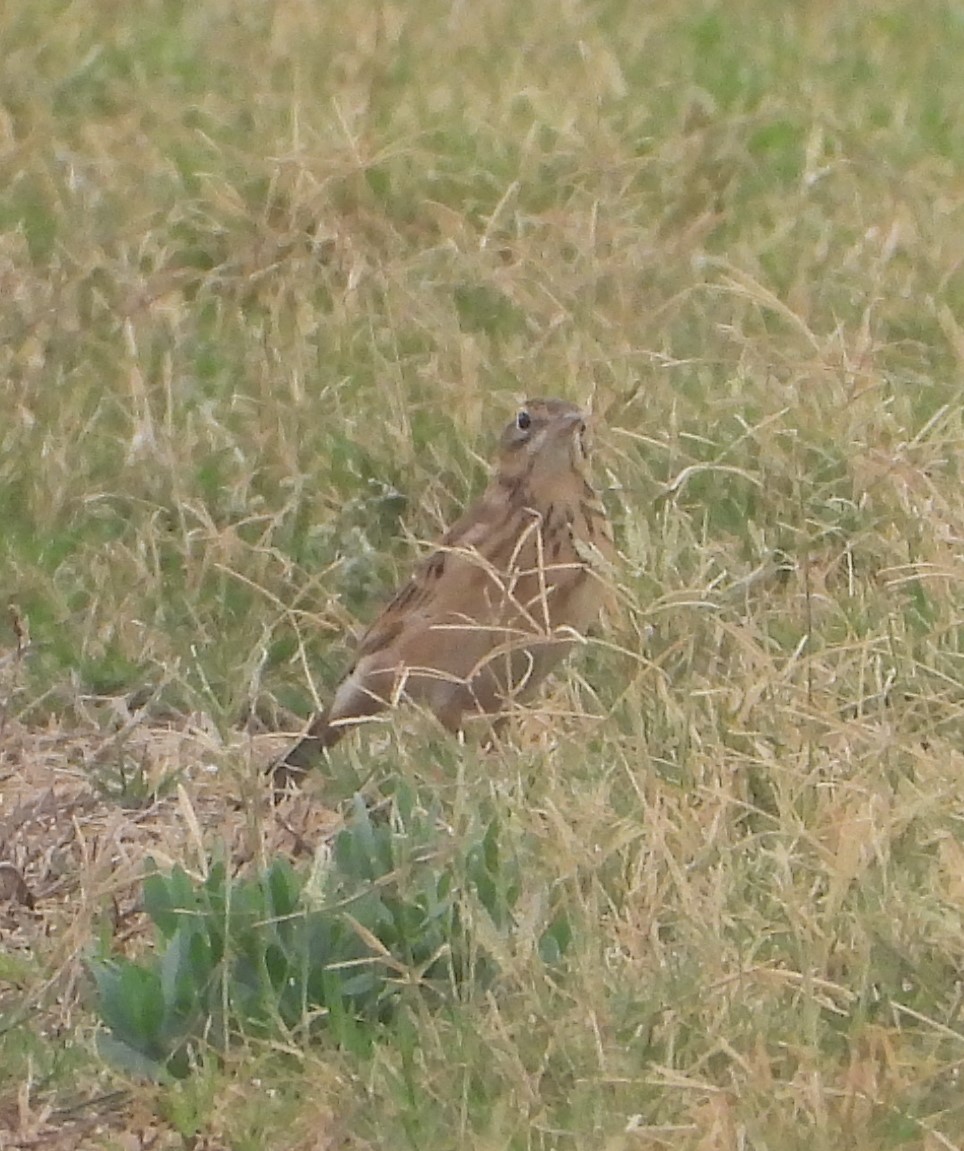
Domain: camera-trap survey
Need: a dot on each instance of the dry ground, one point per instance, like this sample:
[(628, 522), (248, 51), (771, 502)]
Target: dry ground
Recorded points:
[(74, 857)]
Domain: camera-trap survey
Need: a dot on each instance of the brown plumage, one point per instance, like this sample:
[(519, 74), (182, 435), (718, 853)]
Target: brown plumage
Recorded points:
[(486, 616)]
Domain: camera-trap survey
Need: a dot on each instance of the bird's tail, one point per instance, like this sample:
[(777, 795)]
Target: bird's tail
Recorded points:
[(295, 764)]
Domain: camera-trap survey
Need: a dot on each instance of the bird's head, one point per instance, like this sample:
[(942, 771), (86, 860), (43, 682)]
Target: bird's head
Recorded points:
[(546, 441)]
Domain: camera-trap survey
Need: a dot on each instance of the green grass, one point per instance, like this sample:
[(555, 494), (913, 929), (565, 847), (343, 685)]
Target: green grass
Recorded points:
[(273, 277)]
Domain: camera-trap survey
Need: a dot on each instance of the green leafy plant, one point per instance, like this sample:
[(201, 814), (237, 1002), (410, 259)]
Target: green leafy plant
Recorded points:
[(281, 952)]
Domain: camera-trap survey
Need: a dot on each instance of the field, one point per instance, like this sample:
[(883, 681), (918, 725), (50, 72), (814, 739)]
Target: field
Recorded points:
[(272, 278)]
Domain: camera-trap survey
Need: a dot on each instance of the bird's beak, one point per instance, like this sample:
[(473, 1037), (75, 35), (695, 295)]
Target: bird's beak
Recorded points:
[(579, 428)]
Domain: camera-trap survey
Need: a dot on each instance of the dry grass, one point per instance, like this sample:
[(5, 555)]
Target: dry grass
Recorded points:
[(272, 278)]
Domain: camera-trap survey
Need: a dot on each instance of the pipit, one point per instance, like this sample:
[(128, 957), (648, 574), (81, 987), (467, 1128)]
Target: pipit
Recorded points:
[(507, 592)]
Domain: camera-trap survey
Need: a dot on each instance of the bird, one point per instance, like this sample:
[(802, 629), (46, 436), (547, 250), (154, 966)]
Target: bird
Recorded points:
[(504, 595)]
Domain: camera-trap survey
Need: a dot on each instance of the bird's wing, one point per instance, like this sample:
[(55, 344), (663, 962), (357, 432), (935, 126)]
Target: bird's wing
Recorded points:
[(442, 578)]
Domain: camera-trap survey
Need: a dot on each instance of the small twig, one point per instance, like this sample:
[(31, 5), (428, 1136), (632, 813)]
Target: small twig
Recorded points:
[(21, 632)]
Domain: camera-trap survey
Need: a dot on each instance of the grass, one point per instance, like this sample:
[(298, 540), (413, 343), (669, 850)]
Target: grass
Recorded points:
[(273, 278)]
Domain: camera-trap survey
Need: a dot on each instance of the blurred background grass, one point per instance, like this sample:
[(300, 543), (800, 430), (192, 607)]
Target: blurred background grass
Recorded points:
[(272, 279)]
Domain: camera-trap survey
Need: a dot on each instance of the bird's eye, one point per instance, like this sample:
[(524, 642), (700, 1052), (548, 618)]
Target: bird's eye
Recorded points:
[(523, 420)]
